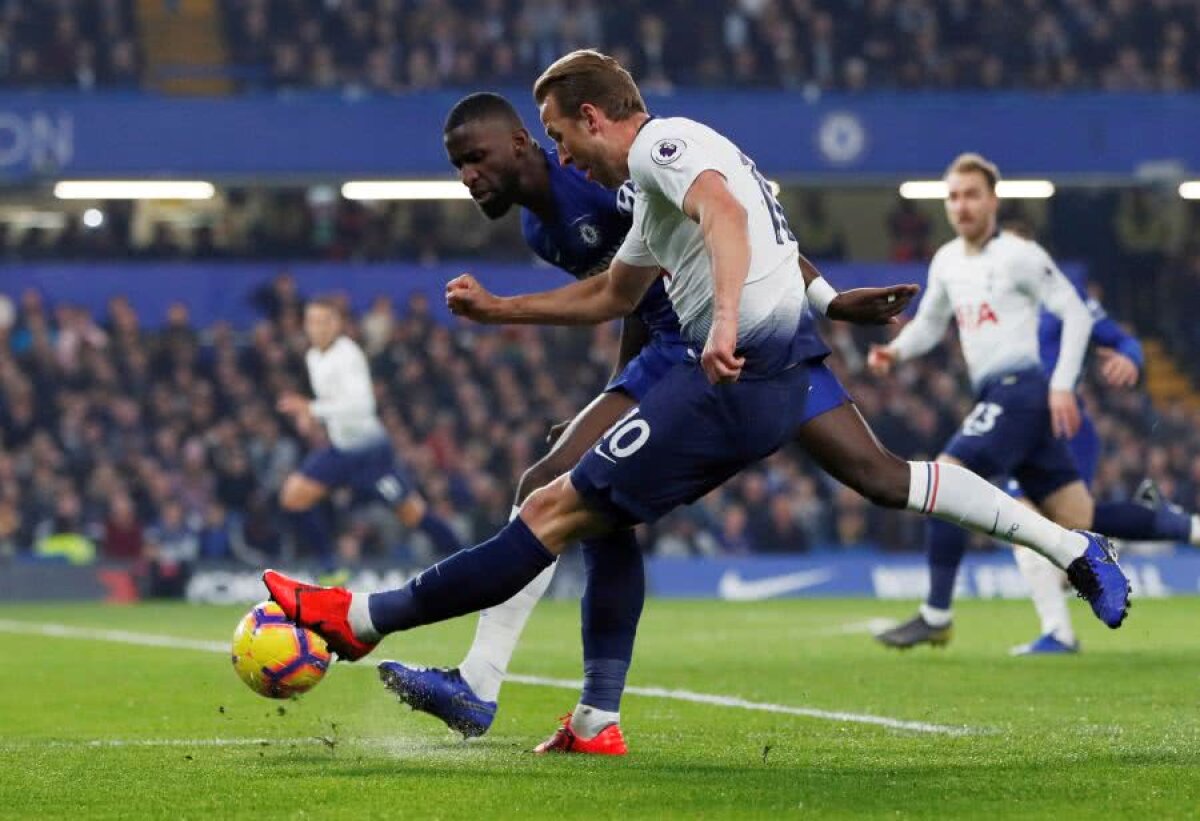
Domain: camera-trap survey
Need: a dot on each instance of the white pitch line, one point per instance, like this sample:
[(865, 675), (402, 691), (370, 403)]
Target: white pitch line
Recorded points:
[(155, 640)]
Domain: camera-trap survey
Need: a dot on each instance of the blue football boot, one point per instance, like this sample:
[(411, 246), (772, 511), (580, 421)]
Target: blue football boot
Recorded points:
[(1046, 645), (442, 693), (1098, 578)]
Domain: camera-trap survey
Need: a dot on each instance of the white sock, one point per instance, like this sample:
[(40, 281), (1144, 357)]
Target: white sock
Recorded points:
[(359, 617), (935, 616), (1046, 589), (955, 494), (496, 635), (1195, 539), (587, 722)]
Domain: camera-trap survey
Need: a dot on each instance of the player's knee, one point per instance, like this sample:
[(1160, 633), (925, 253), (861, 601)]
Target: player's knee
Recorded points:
[(293, 498), (542, 504)]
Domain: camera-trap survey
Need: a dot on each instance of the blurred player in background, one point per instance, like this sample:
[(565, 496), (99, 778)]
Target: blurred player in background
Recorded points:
[(703, 213), (359, 455), (995, 284)]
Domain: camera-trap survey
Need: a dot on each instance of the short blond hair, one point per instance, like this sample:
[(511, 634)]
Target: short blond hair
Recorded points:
[(972, 162), (587, 76)]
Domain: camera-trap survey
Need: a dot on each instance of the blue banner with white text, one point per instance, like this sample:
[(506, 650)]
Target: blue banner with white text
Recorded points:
[(48, 135)]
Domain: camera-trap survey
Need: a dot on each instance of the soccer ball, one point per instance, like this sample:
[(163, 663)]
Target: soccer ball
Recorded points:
[(276, 658)]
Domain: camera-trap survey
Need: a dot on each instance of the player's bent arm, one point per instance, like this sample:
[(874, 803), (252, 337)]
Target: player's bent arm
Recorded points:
[(1107, 333), (601, 298), (928, 326), (1060, 298), (725, 227)]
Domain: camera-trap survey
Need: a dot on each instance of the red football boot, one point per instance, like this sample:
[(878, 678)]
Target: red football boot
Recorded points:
[(608, 741), (323, 610)]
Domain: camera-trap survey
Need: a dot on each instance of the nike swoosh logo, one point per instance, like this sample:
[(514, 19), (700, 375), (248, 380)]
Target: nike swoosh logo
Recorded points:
[(732, 587)]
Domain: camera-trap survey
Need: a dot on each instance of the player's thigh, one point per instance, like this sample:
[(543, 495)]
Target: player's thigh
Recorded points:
[(1071, 506), (686, 438), (584, 431), (300, 492), (846, 448)]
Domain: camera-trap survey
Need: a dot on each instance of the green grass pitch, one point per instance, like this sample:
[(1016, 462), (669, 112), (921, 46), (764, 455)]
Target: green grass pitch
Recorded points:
[(92, 728)]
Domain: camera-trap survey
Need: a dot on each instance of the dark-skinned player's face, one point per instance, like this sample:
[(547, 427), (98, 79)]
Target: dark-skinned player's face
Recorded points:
[(486, 153)]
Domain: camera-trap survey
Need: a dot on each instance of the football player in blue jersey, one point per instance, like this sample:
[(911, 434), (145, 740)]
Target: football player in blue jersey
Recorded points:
[(576, 225)]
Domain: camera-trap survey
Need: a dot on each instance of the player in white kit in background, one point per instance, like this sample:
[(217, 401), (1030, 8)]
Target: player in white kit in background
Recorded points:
[(994, 284), (360, 455)]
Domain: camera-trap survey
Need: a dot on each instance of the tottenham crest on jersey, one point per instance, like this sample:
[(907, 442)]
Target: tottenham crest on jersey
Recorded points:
[(666, 152)]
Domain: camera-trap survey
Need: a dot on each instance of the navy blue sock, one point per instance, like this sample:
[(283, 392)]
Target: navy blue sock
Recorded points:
[(1129, 520), (947, 544), (612, 605), (470, 580), (435, 527), (314, 530)]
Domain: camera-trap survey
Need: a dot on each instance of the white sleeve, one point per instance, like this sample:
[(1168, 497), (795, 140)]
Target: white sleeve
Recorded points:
[(1058, 296), (929, 325), (633, 250), (353, 395), (667, 163)]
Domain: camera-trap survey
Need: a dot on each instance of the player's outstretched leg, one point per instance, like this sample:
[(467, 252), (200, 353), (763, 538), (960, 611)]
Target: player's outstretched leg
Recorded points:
[(470, 580), (1149, 518), (842, 443), (1046, 583)]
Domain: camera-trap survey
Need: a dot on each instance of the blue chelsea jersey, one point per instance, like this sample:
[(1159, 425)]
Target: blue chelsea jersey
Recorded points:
[(589, 226), (1105, 332)]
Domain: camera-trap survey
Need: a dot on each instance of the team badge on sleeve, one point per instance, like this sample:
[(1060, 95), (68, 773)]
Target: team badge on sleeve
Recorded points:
[(666, 152)]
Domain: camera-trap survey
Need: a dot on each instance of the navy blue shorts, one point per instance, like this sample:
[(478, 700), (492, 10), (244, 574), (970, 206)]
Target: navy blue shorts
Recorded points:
[(1009, 434), (370, 471), (1085, 450), (653, 362), (687, 437)]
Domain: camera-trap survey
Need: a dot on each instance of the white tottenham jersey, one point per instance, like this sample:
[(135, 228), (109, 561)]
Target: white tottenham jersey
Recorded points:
[(665, 159), (345, 399), (994, 296)]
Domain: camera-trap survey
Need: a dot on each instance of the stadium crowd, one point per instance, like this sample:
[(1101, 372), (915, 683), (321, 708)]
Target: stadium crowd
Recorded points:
[(76, 44), (394, 46), (162, 445), (389, 46)]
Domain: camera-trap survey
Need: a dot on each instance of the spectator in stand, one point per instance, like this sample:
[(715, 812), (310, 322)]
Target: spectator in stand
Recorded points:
[(909, 230)]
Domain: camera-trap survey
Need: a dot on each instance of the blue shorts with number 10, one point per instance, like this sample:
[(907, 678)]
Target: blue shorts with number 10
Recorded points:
[(1009, 435), (688, 436)]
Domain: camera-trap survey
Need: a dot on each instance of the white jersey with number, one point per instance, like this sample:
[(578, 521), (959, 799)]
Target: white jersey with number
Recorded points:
[(995, 296), (345, 398), (666, 157)]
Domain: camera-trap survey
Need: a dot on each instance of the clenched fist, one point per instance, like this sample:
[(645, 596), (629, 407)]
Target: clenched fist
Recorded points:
[(880, 360), (466, 297)]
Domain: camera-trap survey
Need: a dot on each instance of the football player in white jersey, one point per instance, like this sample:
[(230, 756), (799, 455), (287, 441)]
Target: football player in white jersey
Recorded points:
[(757, 380), (359, 455), (994, 284)]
